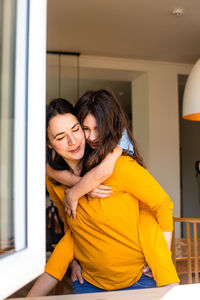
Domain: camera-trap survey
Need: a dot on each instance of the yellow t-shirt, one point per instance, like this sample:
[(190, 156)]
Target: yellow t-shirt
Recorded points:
[(108, 237)]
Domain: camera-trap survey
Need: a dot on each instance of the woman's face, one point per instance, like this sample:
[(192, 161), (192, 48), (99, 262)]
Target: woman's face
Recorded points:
[(91, 131), (67, 138)]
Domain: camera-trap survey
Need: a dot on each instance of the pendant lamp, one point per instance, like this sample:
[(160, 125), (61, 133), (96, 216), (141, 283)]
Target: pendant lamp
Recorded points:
[(191, 98)]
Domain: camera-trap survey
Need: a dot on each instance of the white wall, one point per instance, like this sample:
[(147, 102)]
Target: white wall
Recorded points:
[(155, 109), (164, 154)]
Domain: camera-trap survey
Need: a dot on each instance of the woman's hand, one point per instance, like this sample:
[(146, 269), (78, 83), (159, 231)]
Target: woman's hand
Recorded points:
[(76, 271), (147, 271), (70, 203), (102, 191)]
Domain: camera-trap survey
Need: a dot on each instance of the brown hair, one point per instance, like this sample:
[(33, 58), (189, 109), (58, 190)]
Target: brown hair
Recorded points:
[(111, 121)]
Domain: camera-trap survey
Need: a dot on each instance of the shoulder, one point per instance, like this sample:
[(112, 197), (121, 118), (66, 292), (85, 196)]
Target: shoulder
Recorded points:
[(49, 183), (126, 161), (125, 164), (55, 189), (54, 184), (128, 173)]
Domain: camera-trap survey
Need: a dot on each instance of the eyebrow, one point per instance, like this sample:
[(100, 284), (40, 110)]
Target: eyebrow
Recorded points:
[(64, 132)]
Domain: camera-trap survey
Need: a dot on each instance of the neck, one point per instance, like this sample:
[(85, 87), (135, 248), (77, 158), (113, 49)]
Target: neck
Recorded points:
[(76, 166)]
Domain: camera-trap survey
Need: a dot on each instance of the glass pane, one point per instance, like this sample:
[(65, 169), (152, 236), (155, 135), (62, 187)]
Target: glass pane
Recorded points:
[(7, 71)]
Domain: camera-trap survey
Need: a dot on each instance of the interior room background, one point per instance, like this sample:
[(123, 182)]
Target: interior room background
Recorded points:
[(149, 82)]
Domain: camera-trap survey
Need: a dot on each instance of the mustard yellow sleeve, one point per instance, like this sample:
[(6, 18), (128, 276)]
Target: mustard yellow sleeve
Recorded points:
[(140, 183), (62, 255), (57, 198)]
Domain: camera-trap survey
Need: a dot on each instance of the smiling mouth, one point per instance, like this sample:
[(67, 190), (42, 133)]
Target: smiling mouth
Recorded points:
[(76, 149), (93, 144)]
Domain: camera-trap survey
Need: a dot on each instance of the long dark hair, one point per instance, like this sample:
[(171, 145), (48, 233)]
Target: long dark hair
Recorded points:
[(56, 107), (111, 121)]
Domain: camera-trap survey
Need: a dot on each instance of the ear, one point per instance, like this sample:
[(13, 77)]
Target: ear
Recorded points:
[(49, 145)]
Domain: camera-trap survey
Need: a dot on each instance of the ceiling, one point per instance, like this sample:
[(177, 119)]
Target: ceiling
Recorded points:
[(139, 29)]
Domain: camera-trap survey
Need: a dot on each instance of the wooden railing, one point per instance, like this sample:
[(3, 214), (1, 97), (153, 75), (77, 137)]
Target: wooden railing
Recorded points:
[(189, 261)]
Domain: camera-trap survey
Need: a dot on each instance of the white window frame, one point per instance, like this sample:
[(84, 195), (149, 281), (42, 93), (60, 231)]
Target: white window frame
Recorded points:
[(22, 266)]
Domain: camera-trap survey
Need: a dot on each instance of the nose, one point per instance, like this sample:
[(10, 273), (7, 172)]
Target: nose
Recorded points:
[(92, 136), (71, 140)]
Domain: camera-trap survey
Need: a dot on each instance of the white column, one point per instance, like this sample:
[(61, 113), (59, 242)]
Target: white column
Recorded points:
[(164, 154), (140, 115)]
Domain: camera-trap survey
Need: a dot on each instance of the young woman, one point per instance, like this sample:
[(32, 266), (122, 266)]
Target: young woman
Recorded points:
[(105, 236)]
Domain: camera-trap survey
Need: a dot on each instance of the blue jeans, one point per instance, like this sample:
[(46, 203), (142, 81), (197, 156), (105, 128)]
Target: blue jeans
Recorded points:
[(86, 287)]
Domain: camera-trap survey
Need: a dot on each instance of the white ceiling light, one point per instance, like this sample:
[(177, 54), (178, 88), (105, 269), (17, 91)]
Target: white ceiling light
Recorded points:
[(191, 99), (178, 12)]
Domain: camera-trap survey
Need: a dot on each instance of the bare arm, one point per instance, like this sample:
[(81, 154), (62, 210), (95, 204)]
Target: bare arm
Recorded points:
[(65, 177), (43, 285), (91, 180), (168, 237)]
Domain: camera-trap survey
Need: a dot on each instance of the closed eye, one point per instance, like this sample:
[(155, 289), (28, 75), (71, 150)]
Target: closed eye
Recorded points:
[(59, 139), (76, 129)]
